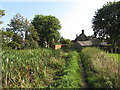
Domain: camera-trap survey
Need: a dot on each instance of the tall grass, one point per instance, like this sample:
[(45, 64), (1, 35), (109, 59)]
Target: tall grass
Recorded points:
[(40, 68), (102, 70), (30, 68)]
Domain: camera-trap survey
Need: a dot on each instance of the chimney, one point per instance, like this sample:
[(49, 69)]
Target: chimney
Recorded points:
[(82, 31)]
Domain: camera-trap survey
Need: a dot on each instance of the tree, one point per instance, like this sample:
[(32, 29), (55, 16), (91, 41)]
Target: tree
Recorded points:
[(6, 37), (31, 36), (17, 25), (24, 32), (106, 22), (9, 39), (66, 43), (47, 28), (2, 13)]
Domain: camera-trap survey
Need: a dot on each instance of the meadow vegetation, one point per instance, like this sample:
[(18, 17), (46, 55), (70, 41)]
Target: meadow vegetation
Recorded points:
[(48, 68), (101, 69), (29, 61), (40, 68)]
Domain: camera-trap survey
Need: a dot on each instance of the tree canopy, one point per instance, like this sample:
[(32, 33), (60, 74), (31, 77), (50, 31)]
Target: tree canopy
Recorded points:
[(47, 28), (41, 32), (24, 34), (2, 13), (106, 22), (18, 24)]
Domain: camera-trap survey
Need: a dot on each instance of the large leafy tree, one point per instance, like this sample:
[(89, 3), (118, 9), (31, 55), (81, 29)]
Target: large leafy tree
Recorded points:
[(106, 22), (24, 32), (31, 36), (47, 28), (17, 25)]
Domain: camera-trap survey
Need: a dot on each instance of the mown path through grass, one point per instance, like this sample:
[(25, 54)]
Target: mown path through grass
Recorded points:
[(83, 76)]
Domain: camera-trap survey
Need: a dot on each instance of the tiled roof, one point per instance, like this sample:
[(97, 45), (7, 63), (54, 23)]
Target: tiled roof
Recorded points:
[(81, 37), (85, 43)]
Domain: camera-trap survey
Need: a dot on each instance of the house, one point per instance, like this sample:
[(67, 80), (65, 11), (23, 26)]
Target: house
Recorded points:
[(83, 41), (81, 37)]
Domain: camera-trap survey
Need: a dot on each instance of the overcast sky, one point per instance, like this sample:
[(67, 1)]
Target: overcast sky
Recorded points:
[(74, 15)]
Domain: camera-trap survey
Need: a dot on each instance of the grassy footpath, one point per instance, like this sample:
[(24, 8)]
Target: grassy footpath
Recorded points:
[(115, 56), (102, 70), (69, 77), (40, 68)]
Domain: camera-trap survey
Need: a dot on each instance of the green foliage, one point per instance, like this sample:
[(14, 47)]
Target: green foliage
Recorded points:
[(30, 68), (106, 22), (47, 28), (17, 38), (2, 13), (42, 32), (69, 77), (40, 68), (17, 24), (6, 37), (14, 45), (30, 44), (114, 56), (102, 70), (65, 42), (23, 33)]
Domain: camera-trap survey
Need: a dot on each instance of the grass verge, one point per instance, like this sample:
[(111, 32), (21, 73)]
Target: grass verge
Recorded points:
[(102, 70)]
